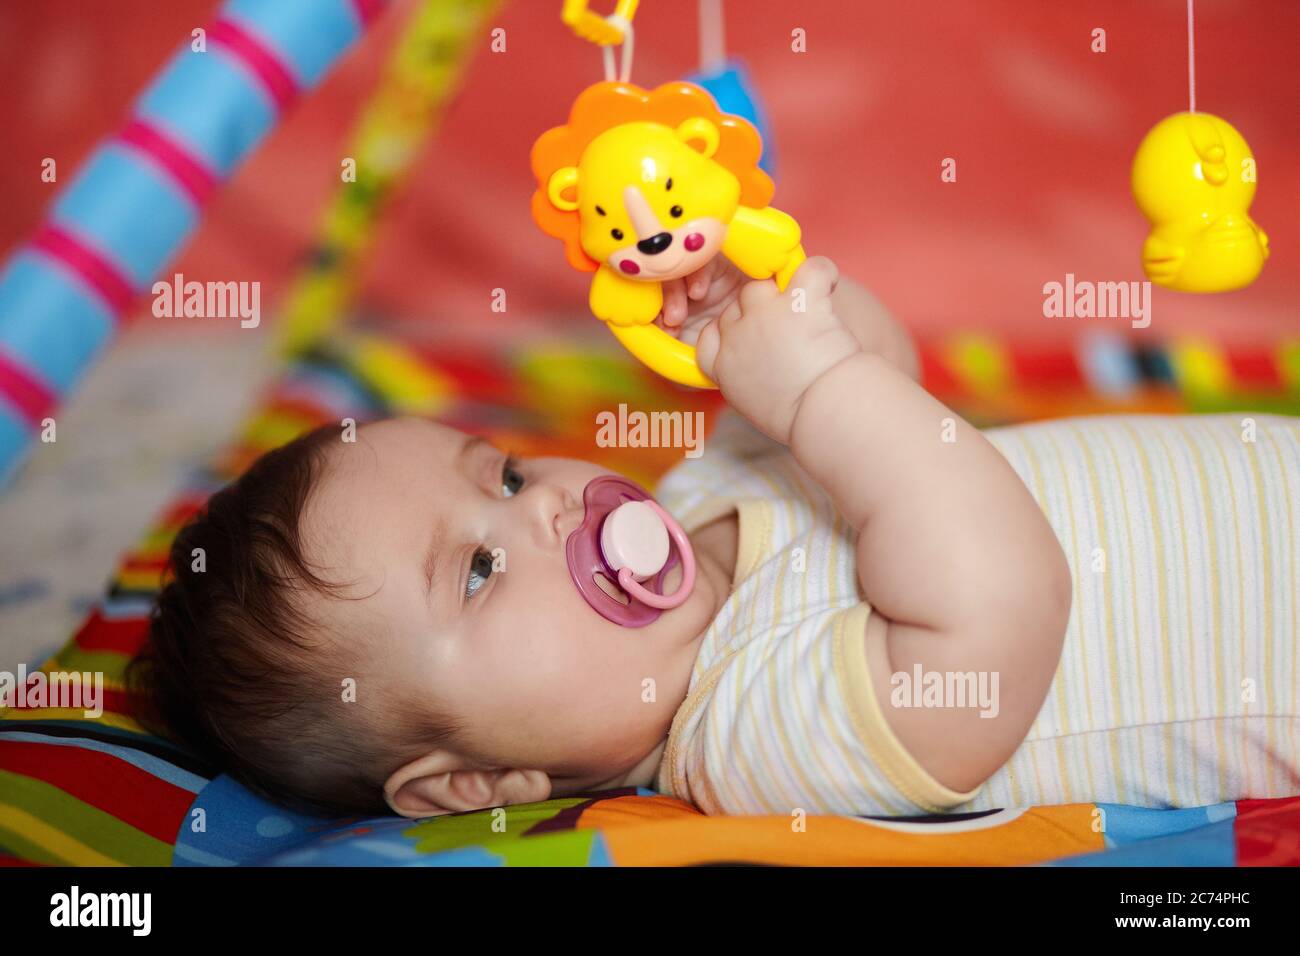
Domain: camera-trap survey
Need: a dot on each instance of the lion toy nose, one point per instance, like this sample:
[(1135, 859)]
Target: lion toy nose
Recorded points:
[(655, 244)]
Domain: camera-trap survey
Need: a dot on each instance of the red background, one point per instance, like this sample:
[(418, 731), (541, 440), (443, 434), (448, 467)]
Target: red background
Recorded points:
[(1042, 129)]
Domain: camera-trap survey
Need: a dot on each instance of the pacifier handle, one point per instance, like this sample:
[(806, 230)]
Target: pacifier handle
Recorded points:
[(664, 601), (671, 357)]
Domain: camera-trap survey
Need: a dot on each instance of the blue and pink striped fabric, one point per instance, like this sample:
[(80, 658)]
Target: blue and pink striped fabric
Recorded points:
[(140, 196)]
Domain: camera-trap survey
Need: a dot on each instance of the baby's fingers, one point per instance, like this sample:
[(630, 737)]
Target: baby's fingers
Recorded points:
[(729, 315), (817, 277), (755, 294), (675, 306), (706, 349), (698, 282)]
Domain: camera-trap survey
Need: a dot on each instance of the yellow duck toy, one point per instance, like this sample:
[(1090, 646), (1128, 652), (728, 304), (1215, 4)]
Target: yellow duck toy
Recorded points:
[(1194, 180)]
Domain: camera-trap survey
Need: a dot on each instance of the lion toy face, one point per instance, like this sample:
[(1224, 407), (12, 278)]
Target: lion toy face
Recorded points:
[(651, 201), (644, 186), (610, 167)]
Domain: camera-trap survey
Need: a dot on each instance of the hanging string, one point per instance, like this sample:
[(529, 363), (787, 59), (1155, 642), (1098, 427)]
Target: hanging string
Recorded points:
[(713, 43), (1191, 57), (607, 51)]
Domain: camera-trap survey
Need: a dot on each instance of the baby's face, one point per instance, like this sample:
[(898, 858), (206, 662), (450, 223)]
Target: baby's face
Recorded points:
[(415, 515)]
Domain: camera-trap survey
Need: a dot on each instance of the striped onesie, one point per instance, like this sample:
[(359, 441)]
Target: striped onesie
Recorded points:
[(1178, 682)]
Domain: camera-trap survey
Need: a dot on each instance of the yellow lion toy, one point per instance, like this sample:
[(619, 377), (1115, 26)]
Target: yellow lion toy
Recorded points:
[(643, 187)]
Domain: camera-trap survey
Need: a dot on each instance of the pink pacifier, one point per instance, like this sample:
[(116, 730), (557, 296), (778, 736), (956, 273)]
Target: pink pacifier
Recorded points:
[(627, 537)]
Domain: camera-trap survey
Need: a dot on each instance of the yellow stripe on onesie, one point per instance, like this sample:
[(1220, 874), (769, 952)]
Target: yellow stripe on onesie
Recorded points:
[(1178, 682)]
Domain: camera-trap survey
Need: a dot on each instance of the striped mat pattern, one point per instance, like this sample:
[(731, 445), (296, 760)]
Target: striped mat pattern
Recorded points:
[(101, 791)]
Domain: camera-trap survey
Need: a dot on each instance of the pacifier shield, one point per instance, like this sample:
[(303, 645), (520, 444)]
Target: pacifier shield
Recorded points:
[(631, 540)]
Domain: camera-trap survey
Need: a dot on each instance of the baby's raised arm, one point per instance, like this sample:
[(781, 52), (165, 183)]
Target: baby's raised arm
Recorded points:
[(961, 567)]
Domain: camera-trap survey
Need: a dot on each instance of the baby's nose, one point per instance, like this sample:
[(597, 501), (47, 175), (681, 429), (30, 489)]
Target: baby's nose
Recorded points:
[(568, 521), (549, 507), (655, 244)]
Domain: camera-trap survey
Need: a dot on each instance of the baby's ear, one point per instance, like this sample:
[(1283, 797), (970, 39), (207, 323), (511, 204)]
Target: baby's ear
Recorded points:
[(438, 783)]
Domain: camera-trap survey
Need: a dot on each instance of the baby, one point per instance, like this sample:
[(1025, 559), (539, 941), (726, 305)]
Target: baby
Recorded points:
[(893, 613)]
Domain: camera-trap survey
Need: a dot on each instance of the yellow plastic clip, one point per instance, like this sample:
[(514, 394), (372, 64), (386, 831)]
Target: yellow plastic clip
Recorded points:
[(590, 25)]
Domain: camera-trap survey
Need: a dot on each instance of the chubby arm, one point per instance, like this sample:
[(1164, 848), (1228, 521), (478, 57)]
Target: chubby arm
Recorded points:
[(961, 567), (957, 560)]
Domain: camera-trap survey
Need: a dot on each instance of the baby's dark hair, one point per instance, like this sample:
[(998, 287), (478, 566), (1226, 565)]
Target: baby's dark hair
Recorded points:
[(237, 670)]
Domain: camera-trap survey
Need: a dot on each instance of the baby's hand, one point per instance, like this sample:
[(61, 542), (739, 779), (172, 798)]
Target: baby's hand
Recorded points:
[(767, 347), (693, 302)]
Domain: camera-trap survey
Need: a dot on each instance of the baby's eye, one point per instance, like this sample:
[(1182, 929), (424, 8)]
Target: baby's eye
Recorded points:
[(480, 569), (511, 479)]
